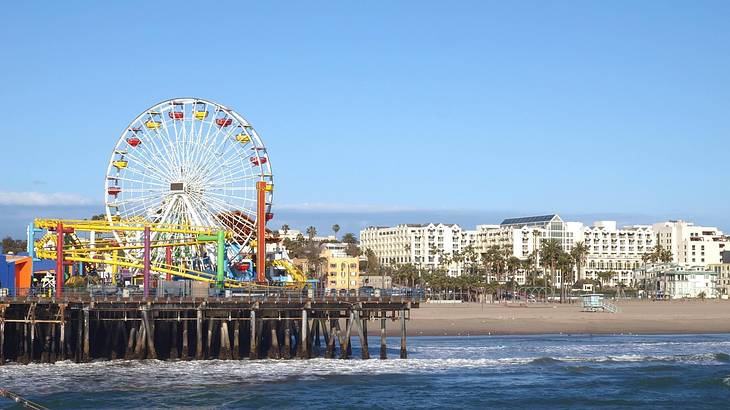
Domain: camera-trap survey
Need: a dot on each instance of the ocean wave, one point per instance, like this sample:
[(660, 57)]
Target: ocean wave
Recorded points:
[(545, 361), (155, 374)]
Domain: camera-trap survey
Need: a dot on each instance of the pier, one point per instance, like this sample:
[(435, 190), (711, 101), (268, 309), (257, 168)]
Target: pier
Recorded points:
[(42, 330)]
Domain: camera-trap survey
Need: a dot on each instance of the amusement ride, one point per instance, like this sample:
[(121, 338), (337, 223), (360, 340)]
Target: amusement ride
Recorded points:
[(188, 191)]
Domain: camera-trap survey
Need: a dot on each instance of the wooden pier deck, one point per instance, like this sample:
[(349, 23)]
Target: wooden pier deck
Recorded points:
[(46, 331)]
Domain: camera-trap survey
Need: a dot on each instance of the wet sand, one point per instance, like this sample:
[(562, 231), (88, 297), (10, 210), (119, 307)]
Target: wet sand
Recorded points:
[(633, 317)]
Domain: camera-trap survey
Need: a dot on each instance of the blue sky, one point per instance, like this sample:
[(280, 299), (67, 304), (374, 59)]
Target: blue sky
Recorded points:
[(381, 111)]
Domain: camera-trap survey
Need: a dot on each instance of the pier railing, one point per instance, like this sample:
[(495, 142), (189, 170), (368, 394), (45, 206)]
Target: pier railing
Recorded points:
[(135, 293)]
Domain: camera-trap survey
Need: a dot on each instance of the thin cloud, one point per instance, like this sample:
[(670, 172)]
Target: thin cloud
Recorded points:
[(43, 199), (341, 207)]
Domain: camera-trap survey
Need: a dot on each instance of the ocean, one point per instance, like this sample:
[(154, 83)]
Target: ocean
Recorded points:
[(542, 371)]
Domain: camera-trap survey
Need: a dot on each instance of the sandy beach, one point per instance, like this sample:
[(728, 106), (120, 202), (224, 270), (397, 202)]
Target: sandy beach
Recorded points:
[(633, 317)]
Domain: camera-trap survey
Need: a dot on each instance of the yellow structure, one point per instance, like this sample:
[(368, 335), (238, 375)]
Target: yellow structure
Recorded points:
[(343, 271)]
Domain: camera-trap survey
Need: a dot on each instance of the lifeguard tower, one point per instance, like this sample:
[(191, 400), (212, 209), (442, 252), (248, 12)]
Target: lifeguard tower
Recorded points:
[(594, 302)]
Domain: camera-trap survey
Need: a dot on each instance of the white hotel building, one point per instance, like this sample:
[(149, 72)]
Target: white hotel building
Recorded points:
[(615, 249), (420, 245), (610, 248), (692, 245)]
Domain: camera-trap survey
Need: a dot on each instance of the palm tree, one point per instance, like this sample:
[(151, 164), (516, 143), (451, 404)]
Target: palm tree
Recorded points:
[(604, 277), (513, 264), (285, 229), (565, 264), (528, 265), (550, 251), (579, 252), (658, 254), (335, 229), (665, 255), (469, 256), (311, 232)]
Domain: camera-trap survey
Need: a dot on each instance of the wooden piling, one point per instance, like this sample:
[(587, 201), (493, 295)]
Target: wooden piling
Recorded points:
[(303, 348), (209, 344), (253, 349), (225, 344), (287, 338), (185, 354), (348, 324), (199, 334), (310, 343), (362, 335), (79, 345), (149, 331), (364, 323), (274, 352), (140, 348), (236, 340), (52, 343), (87, 342), (403, 349), (173, 341), (22, 343), (317, 343), (329, 352), (62, 332), (345, 351), (129, 353), (32, 341), (383, 345)]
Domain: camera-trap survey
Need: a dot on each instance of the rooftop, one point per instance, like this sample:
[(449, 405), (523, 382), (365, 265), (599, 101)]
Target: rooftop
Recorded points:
[(528, 220)]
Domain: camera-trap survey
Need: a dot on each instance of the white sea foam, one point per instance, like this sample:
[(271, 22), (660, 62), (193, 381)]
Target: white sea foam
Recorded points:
[(464, 356)]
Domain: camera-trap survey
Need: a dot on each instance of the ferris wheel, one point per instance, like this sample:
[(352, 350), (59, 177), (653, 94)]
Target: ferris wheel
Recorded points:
[(189, 161)]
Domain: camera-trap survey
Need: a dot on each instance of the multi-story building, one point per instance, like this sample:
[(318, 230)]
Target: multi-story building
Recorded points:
[(612, 249), (687, 283), (425, 246), (723, 274), (523, 236), (609, 248), (691, 245), (342, 270)]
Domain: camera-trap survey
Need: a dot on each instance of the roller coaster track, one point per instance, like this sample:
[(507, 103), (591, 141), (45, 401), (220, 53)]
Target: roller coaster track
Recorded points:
[(102, 252)]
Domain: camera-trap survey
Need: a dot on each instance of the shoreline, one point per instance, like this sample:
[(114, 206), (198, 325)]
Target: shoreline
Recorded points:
[(633, 318)]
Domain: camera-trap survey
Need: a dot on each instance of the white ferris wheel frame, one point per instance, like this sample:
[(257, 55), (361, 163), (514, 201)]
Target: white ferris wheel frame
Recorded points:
[(192, 153)]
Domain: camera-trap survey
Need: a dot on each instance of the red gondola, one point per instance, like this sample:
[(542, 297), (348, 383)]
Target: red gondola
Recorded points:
[(258, 161), (114, 190), (134, 141), (224, 122), (176, 115), (269, 216)]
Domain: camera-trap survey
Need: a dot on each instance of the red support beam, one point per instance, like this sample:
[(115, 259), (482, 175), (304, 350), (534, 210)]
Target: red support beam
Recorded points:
[(146, 266), (261, 231)]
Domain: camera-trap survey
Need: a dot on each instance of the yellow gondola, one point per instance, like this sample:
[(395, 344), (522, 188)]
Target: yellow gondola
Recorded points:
[(243, 138), (153, 125), (120, 164), (269, 187), (201, 115)]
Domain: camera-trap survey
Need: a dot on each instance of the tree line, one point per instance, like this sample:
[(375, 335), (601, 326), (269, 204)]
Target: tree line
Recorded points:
[(495, 270)]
